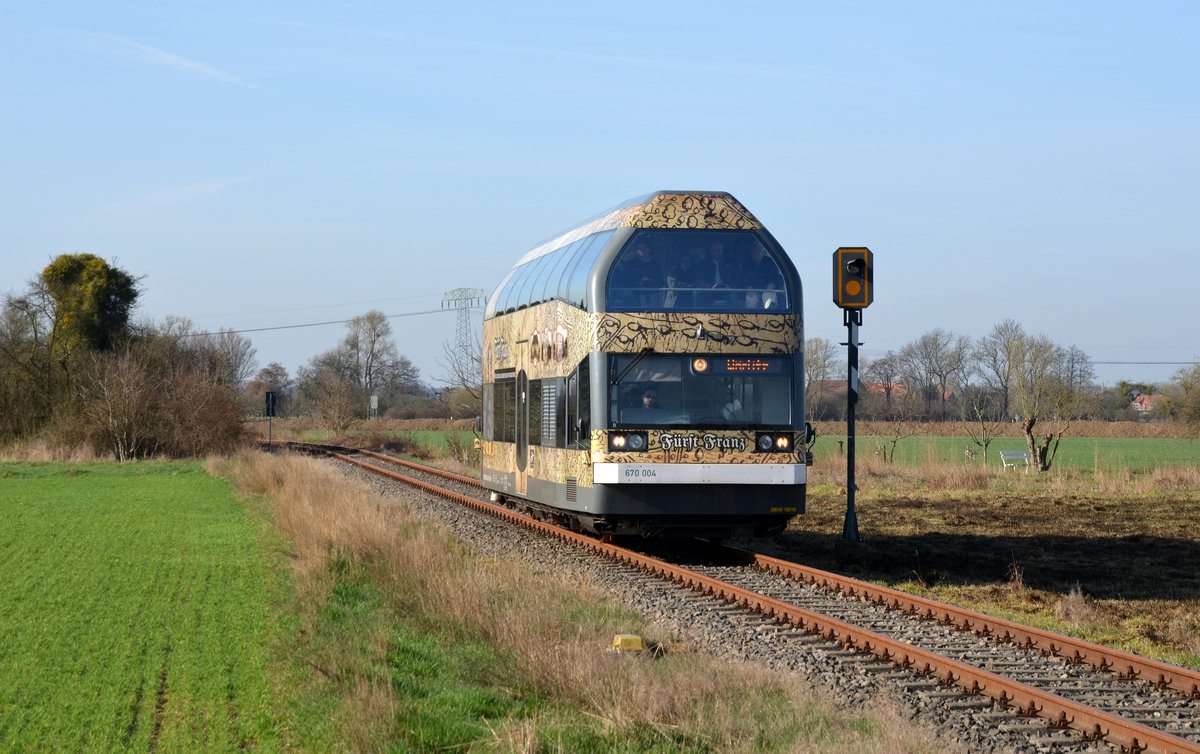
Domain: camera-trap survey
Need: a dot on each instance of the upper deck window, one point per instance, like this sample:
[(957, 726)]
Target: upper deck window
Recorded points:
[(558, 274), (698, 271)]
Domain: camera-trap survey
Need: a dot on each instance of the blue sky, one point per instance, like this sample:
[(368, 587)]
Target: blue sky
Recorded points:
[(266, 164)]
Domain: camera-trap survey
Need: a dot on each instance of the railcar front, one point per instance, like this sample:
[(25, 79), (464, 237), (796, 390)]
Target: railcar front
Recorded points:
[(643, 374)]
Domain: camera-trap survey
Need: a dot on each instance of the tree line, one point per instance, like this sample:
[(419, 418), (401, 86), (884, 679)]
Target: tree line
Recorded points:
[(1008, 375), (77, 370), (363, 376)]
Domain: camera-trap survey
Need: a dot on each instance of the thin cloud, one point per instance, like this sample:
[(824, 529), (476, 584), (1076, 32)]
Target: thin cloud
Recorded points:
[(171, 60)]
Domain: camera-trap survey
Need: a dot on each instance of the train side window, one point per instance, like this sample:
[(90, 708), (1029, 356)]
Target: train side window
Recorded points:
[(560, 412), (505, 410), (535, 412), (531, 292), (573, 409), (517, 286), (488, 420), (555, 273), (577, 282), (579, 408), (507, 300), (584, 439)]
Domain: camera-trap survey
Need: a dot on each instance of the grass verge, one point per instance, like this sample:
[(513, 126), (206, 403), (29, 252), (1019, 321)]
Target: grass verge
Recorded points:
[(417, 645)]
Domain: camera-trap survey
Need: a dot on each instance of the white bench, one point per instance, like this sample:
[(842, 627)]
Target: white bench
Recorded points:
[(1014, 458)]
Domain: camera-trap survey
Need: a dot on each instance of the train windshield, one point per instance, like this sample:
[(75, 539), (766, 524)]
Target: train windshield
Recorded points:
[(711, 390), (696, 271)]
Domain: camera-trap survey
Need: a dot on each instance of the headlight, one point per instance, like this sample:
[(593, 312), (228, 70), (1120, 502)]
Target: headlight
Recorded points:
[(627, 441), (767, 442)]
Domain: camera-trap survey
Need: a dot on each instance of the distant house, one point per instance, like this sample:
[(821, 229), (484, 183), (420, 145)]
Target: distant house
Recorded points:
[(886, 388), (839, 387), (1145, 402)]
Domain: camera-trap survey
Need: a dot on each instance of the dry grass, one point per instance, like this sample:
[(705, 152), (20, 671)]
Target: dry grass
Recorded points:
[(1076, 608), (1183, 629), (38, 450), (523, 611), (938, 475), (1106, 555)]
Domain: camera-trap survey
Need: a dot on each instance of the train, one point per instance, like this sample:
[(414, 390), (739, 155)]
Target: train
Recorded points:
[(643, 374)]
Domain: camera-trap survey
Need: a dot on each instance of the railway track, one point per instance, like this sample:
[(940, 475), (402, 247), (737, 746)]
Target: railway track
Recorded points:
[(1107, 697)]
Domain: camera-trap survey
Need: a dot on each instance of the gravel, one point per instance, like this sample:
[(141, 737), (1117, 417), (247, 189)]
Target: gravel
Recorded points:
[(962, 722)]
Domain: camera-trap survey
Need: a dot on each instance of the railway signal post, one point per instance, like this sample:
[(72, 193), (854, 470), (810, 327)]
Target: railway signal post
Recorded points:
[(853, 291), (270, 412)]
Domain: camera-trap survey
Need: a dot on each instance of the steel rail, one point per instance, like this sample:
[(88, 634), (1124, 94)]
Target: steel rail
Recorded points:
[(472, 481), (1093, 724), (1126, 665)]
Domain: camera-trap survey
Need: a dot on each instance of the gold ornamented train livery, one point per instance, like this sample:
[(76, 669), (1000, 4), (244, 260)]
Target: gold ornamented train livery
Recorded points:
[(643, 373)]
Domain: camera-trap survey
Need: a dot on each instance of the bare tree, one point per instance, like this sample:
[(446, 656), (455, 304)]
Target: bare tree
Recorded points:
[(364, 363), (162, 393), (898, 427), (979, 406), (337, 400), (116, 396), (996, 355), (464, 377), (273, 378), (233, 357), (1188, 403), (820, 359), (369, 352), (28, 384), (1042, 393), (935, 362), (886, 373)]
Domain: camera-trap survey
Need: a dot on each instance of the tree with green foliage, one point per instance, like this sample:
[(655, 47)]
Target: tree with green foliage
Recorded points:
[(1131, 390), (79, 304), (92, 303)]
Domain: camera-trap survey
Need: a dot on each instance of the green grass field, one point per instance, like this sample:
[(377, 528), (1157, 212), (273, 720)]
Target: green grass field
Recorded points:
[(133, 611)]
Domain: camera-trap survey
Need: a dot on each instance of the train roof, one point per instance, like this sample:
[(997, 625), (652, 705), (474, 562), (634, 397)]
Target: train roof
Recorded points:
[(563, 266), (717, 210)]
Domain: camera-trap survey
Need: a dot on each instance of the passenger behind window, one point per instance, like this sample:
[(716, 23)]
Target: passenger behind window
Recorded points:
[(720, 272), (640, 276), (760, 275), (682, 282)]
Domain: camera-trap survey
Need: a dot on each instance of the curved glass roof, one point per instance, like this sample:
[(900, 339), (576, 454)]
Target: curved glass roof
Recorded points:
[(559, 268)]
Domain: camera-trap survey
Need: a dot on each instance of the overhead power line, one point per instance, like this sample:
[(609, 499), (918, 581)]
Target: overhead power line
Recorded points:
[(318, 324)]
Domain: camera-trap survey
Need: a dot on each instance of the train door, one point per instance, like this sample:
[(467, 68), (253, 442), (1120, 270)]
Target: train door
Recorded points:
[(522, 408)]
